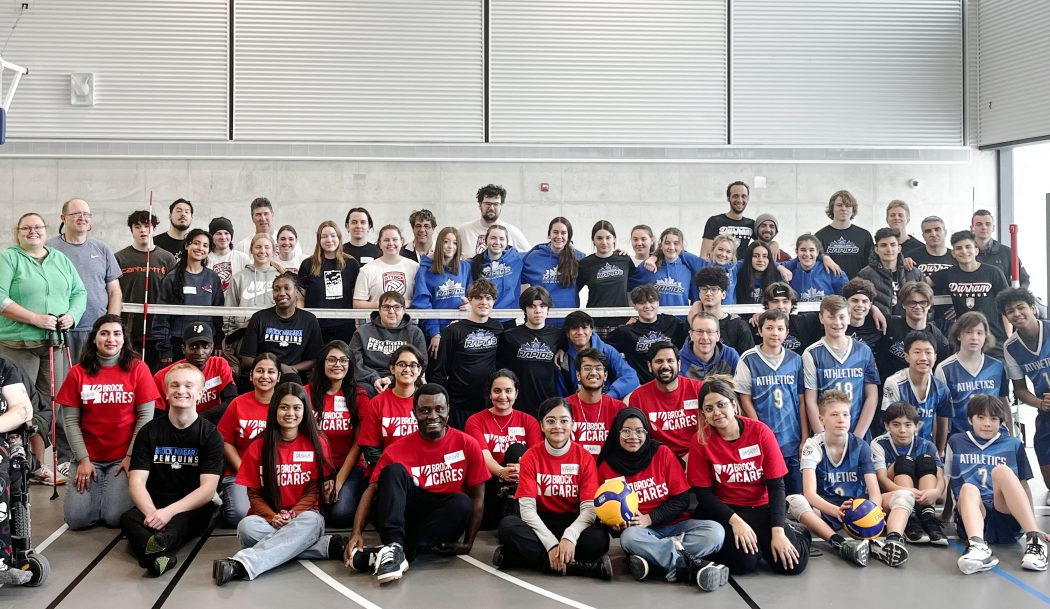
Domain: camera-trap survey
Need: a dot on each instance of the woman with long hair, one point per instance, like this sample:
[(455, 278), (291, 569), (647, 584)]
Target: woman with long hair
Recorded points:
[(502, 265), (328, 278), (191, 282), (674, 272), (284, 473), (339, 405), (754, 273), (288, 254), (250, 287), (606, 274), (107, 398), (555, 265), (389, 414), (643, 244), (441, 283), (243, 421), (751, 508)]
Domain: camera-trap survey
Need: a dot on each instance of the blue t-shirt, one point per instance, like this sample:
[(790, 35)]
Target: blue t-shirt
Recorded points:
[(837, 482), (824, 371), (970, 460), (774, 385), (989, 380), (898, 387)]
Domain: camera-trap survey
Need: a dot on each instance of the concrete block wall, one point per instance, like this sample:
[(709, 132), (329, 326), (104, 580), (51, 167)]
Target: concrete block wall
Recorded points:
[(659, 194)]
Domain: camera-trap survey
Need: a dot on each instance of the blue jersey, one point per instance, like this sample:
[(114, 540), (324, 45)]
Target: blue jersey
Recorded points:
[(1021, 362), (540, 267), (845, 479), (824, 371), (774, 385), (884, 452), (970, 460), (816, 283), (899, 387), (989, 380), (439, 291), (674, 280)]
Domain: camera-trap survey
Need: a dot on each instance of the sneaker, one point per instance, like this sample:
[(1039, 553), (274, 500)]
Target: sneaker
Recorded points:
[(978, 558), (890, 551), (160, 564), (44, 475), (638, 566), (337, 547), (1034, 558), (855, 550), (914, 531), (363, 560), (598, 569), (63, 469), (225, 570), (391, 563), (933, 528), (709, 575)]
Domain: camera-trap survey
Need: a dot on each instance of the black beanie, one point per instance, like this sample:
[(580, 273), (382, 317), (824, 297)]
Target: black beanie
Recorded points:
[(220, 223)]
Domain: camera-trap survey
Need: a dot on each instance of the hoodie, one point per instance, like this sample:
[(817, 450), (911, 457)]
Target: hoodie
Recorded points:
[(888, 283), (439, 291), (723, 362), (816, 283), (51, 285), (505, 273), (540, 267), (622, 378), (674, 280), (251, 287), (372, 345)]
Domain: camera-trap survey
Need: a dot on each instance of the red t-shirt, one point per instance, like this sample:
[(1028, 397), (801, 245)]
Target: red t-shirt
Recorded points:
[(243, 421), (388, 417), (673, 415), (737, 470), (336, 423), (217, 375), (496, 434), (107, 404), (296, 468), (449, 465), (662, 479), (558, 484), (591, 422)]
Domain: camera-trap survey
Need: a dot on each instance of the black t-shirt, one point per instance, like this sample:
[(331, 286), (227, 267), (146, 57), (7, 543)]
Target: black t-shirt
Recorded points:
[(634, 340), (890, 355), (850, 248), (363, 253), (332, 289), (735, 332), (173, 246), (974, 291), (804, 329), (741, 230), (176, 458), (12, 374), (912, 245), (866, 333), (606, 280), (292, 340), (530, 354), (468, 353), (930, 264)]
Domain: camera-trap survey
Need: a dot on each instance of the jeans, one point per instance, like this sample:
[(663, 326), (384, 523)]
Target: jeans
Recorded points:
[(341, 513), (265, 547), (235, 504), (700, 538), (104, 502)]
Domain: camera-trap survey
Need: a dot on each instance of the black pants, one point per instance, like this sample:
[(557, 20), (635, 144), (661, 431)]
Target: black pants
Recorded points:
[(740, 562), (414, 518), (499, 494), (522, 544), (180, 529)]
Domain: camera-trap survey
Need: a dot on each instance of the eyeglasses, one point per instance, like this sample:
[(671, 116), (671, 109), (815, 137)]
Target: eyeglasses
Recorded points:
[(705, 332), (587, 369), (38, 228), (627, 432), (710, 289), (917, 303), (76, 215), (409, 365), (551, 421), (392, 307), (488, 204), (332, 361)]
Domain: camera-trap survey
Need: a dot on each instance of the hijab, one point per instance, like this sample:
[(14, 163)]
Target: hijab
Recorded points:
[(622, 461)]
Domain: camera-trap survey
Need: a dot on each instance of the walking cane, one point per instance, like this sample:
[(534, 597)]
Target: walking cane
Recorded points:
[(54, 417)]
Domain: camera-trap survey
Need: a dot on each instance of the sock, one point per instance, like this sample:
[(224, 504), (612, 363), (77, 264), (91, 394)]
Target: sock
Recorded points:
[(894, 537), (977, 539), (1033, 536), (928, 512), (837, 540)]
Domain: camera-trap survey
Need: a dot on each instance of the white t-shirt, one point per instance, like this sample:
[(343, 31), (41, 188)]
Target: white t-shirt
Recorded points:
[(377, 277), (227, 264), (245, 245), (472, 237), (293, 264)]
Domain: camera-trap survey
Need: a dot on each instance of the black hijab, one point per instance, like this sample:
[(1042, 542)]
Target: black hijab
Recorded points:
[(622, 461)]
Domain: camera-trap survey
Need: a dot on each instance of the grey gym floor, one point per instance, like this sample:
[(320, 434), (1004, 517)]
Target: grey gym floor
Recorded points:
[(92, 569)]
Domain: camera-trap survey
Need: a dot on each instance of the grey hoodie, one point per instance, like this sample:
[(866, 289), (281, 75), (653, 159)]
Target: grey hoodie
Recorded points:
[(372, 345), (250, 287)]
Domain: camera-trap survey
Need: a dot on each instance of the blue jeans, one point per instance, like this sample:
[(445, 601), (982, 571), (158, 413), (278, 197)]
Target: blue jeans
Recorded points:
[(341, 513), (266, 547), (235, 504), (700, 538), (104, 502)]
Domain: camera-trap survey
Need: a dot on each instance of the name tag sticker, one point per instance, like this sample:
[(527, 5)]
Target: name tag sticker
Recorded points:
[(212, 382), (90, 395), (339, 404), (189, 289), (303, 456), (594, 449), (515, 432), (570, 469), (748, 452), (455, 457), (692, 404)]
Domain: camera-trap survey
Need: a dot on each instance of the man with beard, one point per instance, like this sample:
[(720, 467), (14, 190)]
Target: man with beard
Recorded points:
[(732, 223), (198, 348), (180, 217), (472, 234), (766, 230), (429, 492), (669, 400)]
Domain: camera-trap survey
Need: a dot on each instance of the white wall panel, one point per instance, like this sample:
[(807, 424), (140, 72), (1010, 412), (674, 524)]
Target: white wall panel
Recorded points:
[(359, 70), (608, 71), (1014, 70), (160, 69), (858, 72)]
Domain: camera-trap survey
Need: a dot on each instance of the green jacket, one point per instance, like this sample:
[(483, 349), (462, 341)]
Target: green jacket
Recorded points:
[(48, 286)]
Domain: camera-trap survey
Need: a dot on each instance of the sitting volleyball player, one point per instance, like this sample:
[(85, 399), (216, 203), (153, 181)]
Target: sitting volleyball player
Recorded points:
[(989, 472), (907, 462), (836, 468)]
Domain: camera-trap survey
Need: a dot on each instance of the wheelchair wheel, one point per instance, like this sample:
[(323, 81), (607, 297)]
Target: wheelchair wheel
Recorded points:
[(39, 567)]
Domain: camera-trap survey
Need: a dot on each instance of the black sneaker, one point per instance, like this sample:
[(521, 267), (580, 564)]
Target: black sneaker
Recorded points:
[(499, 557), (363, 560), (855, 551), (391, 563), (158, 565), (890, 551), (337, 547), (598, 569), (708, 575), (933, 530), (638, 566), (915, 532), (225, 570)]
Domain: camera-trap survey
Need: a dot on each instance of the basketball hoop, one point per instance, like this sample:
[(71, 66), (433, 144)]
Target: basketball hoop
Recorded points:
[(6, 104)]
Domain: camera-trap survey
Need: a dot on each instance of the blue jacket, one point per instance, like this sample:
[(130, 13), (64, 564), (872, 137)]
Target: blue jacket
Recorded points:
[(506, 274), (622, 378), (439, 291), (674, 280), (724, 362), (813, 285), (541, 268)]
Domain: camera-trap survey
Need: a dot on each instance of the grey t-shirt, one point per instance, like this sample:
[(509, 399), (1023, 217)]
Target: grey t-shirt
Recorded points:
[(97, 266)]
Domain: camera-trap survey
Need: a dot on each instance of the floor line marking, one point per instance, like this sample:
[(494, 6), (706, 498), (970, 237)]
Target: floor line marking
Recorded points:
[(170, 588), (742, 593), (524, 584), (51, 538), (84, 573), (1010, 578), (338, 587)]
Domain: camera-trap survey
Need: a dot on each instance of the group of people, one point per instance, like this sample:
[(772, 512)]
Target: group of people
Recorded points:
[(741, 436)]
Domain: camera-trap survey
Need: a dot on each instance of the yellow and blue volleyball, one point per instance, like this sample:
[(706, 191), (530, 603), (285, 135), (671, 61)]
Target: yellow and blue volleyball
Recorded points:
[(864, 519), (615, 502)]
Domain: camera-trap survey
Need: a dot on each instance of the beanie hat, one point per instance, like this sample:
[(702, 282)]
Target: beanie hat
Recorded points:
[(220, 223), (762, 218)]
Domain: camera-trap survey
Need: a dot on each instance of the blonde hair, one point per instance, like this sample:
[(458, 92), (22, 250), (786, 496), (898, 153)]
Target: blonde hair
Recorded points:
[(273, 246)]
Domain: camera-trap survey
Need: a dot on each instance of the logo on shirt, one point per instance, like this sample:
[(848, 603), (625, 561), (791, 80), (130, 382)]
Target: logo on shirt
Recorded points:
[(650, 490), (609, 271), (399, 427), (427, 476), (386, 347), (737, 232), (394, 281), (499, 443), (106, 393), (550, 276), (812, 295), (589, 431), (651, 337), (535, 350), (250, 428), (283, 337), (557, 485), (335, 421), (479, 340), (450, 289), (292, 474), (728, 473), (176, 457), (843, 246), (496, 269), (668, 285), (967, 288), (673, 420), (930, 268)]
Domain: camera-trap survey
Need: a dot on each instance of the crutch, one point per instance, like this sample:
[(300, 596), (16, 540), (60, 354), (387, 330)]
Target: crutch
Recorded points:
[(54, 416)]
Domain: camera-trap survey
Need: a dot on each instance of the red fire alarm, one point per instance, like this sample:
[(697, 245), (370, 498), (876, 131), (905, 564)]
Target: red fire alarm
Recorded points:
[(545, 187)]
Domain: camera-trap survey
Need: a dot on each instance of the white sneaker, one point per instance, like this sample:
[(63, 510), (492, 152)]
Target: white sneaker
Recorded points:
[(1034, 558), (391, 563), (978, 558)]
